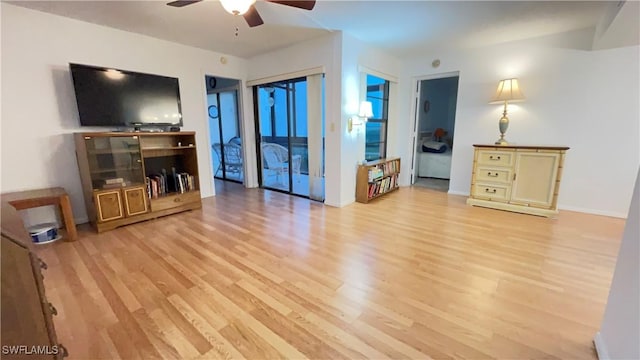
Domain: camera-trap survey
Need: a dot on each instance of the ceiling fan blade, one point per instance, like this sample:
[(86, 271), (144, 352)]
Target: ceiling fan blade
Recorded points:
[(181, 3), (300, 4), (252, 17)]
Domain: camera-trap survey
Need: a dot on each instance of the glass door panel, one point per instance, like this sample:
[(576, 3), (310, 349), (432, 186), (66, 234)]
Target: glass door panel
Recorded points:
[(274, 142), (226, 142), (298, 140), (114, 161), (287, 110)]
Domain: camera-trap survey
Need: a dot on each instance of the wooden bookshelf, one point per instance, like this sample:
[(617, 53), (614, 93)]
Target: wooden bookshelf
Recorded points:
[(377, 178), (132, 177)]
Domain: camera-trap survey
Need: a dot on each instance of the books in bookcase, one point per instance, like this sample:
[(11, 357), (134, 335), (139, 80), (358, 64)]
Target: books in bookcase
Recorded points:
[(110, 183), (382, 186), (373, 179), (382, 170), (162, 184)]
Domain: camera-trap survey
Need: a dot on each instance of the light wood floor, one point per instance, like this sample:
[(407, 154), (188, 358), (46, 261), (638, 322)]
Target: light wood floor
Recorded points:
[(263, 275)]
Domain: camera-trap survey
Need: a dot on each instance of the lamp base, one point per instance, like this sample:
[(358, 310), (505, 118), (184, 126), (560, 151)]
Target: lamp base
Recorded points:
[(503, 125)]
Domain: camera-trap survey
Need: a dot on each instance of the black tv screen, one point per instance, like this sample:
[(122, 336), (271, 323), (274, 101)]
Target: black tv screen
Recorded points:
[(111, 97)]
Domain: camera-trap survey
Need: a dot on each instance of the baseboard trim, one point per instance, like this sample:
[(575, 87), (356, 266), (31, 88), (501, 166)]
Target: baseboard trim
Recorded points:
[(339, 205), (601, 347), (593, 211), (82, 220), (564, 207), (455, 192)]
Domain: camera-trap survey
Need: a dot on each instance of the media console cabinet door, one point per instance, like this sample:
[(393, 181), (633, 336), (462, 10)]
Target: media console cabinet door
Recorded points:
[(109, 204), (135, 200), (536, 174)]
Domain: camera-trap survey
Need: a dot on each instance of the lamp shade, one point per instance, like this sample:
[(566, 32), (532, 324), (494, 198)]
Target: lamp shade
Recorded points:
[(366, 109), (508, 90), (237, 7)]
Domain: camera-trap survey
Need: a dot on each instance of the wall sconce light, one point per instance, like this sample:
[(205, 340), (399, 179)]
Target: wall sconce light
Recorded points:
[(366, 111), (508, 90)]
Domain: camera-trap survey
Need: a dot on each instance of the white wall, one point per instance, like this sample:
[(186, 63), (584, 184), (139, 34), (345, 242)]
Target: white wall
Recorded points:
[(587, 100), (356, 58), (620, 26), (620, 330), (39, 113)]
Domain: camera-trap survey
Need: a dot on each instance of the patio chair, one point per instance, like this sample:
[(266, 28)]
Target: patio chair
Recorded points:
[(232, 158), (276, 159)]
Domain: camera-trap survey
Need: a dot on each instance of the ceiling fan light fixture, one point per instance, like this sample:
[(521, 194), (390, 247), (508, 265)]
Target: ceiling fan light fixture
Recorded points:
[(237, 7)]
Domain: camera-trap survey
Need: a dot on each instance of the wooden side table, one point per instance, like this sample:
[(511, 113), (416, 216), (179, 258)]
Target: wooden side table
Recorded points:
[(22, 200)]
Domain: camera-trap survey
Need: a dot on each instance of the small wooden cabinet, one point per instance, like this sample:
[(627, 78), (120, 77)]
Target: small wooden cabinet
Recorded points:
[(376, 178), (523, 179), (131, 177)]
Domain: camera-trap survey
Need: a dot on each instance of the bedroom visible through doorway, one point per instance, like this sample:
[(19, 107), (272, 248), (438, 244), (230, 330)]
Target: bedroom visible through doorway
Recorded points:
[(435, 124)]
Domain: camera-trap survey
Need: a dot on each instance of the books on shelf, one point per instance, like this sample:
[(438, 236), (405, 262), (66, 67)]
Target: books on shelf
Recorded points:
[(382, 186), (381, 170), (114, 185), (110, 183), (375, 173), (373, 179), (113, 181), (186, 182), (162, 184)]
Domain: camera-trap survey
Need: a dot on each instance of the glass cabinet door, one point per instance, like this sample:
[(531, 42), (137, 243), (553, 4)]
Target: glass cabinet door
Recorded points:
[(114, 161)]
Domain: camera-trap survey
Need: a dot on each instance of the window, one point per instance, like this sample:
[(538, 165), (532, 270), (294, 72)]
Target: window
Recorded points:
[(376, 128)]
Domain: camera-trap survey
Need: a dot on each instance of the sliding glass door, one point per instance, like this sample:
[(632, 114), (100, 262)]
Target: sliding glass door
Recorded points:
[(283, 130)]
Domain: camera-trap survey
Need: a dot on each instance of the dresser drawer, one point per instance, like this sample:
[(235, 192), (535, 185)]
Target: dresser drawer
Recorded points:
[(491, 192), (172, 201), (498, 175), (496, 158)]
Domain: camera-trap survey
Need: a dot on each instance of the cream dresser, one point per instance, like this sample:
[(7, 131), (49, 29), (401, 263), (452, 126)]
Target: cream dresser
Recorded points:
[(523, 179)]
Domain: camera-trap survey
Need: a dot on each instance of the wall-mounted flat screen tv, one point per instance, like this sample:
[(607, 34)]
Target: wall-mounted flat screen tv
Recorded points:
[(112, 97)]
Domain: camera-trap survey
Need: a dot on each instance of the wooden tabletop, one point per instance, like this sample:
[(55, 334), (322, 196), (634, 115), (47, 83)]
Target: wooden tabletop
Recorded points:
[(32, 194)]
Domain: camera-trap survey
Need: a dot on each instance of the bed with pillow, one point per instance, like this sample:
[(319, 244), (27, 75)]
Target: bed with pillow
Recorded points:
[(434, 160)]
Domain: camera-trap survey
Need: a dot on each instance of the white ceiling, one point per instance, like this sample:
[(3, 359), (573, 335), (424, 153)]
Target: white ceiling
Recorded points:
[(401, 27)]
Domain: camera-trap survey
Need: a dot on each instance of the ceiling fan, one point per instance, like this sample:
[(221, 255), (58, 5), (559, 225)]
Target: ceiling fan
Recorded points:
[(247, 9)]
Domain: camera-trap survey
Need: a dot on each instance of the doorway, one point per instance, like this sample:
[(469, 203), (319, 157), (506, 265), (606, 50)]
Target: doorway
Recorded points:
[(290, 133), (225, 129), (435, 124)]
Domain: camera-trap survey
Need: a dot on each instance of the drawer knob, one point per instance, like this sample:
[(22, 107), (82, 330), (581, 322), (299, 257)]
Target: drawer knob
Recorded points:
[(53, 309), (177, 199), (491, 157), (493, 191), (492, 174)]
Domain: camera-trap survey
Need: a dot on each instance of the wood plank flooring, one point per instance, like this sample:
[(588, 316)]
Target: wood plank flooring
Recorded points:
[(261, 275)]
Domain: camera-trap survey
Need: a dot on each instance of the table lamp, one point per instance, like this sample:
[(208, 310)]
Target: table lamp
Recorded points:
[(508, 90)]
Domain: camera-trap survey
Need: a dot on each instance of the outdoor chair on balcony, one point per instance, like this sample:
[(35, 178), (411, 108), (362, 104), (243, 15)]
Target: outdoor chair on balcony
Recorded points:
[(232, 159), (276, 160)]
